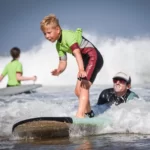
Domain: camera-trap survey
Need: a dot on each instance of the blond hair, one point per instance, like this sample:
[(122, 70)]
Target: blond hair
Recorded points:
[(49, 20)]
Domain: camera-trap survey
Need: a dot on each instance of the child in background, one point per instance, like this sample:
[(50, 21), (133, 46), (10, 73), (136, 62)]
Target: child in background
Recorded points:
[(14, 70)]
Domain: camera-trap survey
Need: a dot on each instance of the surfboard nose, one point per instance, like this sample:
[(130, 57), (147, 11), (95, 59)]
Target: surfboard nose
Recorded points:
[(42, 128)]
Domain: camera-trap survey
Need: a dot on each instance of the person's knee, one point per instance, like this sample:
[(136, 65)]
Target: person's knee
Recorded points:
[(85, 84)]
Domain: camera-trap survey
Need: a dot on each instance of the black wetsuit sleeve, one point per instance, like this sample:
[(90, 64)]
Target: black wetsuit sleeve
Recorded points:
[(105, 96)]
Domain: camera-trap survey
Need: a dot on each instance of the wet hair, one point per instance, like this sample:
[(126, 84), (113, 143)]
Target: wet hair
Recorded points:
[(49, 20), (15, 52)]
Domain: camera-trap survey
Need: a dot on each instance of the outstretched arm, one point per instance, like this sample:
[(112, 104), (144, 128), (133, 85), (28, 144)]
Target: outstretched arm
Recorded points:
[(22, 78), (61, 67)]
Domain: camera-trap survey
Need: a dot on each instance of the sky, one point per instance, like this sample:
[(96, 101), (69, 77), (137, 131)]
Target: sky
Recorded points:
[(20, 19)]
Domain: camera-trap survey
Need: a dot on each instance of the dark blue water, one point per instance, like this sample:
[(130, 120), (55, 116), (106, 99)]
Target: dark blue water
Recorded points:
[(103, 142)]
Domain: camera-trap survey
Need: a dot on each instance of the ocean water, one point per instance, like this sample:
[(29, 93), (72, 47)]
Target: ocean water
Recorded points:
[(130, 127)]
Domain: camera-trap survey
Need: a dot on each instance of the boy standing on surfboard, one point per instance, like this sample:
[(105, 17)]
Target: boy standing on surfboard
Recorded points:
[(14, 70), (88, 58)]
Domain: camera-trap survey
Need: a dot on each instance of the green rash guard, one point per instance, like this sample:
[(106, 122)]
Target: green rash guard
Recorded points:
[(68, 38), (11, 69)]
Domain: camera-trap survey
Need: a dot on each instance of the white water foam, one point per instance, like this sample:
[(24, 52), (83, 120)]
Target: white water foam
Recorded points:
[(120, 54), (131, 55)]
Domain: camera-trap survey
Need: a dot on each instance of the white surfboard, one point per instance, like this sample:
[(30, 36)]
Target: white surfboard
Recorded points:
[(52, 127), (8, 91)]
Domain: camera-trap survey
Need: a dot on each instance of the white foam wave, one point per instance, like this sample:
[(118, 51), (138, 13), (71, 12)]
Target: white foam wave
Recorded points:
[(130, 55)]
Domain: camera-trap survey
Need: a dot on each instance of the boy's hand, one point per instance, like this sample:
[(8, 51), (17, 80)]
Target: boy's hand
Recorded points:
[(82, 74), (55, 72)]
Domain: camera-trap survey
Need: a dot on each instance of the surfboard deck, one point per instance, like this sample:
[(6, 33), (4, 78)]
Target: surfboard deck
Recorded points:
[(9, 91), (51, 127), (43, 127)]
